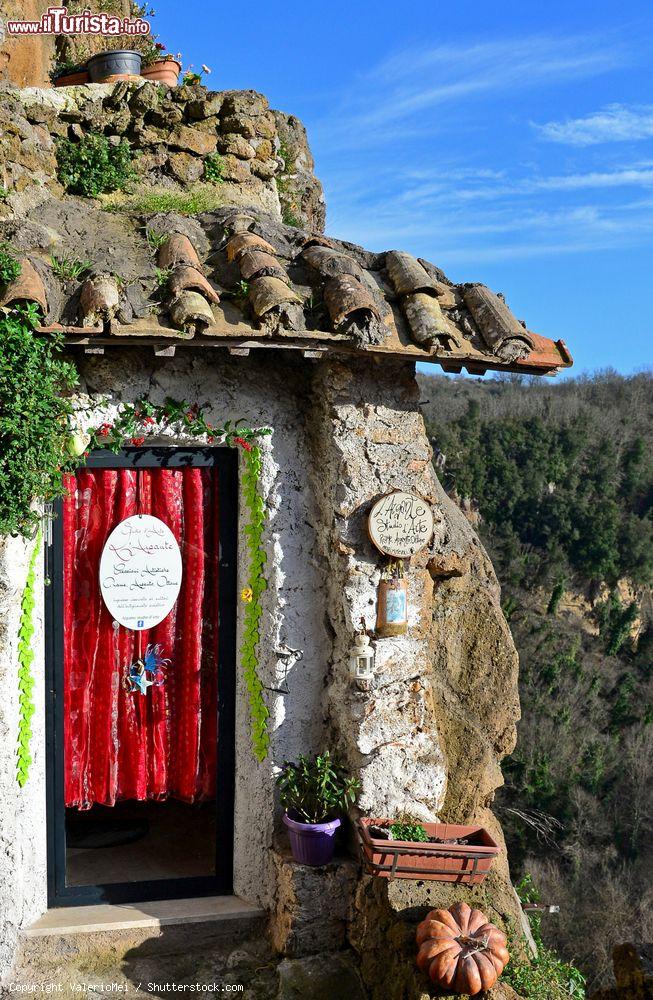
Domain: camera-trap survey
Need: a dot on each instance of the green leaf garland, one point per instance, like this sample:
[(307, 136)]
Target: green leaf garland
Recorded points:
[(259, 712), (25, 677)]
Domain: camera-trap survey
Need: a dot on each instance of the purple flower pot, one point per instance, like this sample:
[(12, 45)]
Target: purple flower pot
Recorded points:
[(312, 843)]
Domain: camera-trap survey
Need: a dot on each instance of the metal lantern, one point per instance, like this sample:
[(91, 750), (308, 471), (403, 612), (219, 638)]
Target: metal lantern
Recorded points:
[(362, 659)]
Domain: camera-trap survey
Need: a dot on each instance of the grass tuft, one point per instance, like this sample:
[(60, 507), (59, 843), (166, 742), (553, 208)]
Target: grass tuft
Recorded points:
[(149, 201)]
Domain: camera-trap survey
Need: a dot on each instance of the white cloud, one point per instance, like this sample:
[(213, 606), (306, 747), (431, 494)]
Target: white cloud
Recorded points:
[(409, 85), (614, 123)]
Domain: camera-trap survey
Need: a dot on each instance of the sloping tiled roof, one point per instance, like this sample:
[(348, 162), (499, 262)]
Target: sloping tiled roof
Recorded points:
[(244, 281)]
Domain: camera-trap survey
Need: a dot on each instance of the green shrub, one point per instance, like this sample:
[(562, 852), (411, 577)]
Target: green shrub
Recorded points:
[(9, 265), (290, 217), (34, 414), (615, 622), (546, 977), (156, 240), (214, 169), (162, 277), (316, 789), (93, 165)]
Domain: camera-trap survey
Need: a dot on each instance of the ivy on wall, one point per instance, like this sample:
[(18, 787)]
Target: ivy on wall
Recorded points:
[(35, 407), (25, 676)]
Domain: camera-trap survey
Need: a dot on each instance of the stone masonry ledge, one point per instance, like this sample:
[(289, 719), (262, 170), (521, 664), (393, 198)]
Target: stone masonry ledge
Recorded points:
[(166, 913)]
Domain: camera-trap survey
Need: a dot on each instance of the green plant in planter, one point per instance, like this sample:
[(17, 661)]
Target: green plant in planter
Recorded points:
[(413, 832), (93, 165), (316, 789), (9, 265), (65, 67)]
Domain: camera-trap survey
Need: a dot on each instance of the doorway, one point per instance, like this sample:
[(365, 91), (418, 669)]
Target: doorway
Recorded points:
[(141, 650)]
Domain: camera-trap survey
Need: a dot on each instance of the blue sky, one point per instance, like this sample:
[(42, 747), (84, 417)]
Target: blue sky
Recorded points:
[(509, 143)]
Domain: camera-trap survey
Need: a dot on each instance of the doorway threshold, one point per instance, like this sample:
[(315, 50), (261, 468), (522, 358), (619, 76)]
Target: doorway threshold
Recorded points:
[(222, 910)]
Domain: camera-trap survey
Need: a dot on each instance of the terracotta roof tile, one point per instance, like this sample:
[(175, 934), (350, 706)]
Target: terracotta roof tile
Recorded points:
[(501, 331), (247, 241), (27, 287), (185, 278), (307, 291), (407, 274)]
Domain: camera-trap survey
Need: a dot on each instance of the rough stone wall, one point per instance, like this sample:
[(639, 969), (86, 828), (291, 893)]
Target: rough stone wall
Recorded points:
[(172, 133), (441, 714), (25, 60)]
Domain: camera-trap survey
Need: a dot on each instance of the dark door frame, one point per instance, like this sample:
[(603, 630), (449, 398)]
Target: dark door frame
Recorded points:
[(226, 461)]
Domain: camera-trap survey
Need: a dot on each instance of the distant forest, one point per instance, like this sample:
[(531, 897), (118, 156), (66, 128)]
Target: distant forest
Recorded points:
[(561, 474)]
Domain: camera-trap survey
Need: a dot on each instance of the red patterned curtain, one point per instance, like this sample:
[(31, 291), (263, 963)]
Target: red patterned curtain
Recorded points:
[(118, 744)]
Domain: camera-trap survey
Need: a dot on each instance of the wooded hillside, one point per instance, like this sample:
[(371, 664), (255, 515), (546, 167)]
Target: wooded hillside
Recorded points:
[(562, 477)]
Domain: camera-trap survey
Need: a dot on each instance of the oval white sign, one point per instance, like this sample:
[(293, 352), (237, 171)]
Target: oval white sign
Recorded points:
[(140, 572), (400, 524)]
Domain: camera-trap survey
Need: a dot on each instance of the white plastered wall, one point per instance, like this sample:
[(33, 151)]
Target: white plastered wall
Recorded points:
[(294, 650)]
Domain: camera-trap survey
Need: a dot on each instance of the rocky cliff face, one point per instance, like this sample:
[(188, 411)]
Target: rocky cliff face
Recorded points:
[(24, 61), (429, 737), (265, 158)]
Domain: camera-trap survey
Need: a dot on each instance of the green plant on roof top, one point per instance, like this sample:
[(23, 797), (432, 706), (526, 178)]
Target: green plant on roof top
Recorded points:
[(69, 268), (93, 165), (162, 276), (214, 169), (156, 240), (290, 217), (148, 201), (9, 265)]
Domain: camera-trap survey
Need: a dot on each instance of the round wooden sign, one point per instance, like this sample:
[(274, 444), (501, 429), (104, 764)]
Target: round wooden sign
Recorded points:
[(401, 524), (140, 572)]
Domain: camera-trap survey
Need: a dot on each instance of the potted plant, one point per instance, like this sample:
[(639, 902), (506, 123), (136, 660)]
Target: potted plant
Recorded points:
[(192, 77), (160, 66), (115, 62), (313, 792), (67, 73), (436, 852)]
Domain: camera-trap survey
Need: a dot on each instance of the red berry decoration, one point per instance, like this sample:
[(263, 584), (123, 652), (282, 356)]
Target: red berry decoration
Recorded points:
[(461, 951)]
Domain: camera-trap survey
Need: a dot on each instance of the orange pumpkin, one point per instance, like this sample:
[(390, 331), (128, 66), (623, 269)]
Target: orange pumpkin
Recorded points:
[(460, 950)]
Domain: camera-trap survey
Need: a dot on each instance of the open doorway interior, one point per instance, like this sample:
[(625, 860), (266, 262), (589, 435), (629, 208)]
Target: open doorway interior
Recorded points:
[(140, 841)]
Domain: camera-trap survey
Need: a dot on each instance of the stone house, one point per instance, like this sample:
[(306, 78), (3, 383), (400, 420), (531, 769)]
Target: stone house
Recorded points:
[(223, 305)]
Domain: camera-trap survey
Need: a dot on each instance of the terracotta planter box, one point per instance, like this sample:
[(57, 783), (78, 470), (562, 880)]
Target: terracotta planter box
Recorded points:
[(73, 79), (164, 71), (467, 864)]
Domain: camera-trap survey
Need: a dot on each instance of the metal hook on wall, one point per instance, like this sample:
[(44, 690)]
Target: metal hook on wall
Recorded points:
[(286, 653)]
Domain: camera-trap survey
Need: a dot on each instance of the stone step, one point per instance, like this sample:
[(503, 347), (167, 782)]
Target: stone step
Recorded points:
[(171, 936)]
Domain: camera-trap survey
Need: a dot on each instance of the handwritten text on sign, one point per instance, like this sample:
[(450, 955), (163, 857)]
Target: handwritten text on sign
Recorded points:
[(400, 524), (140, 572)]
